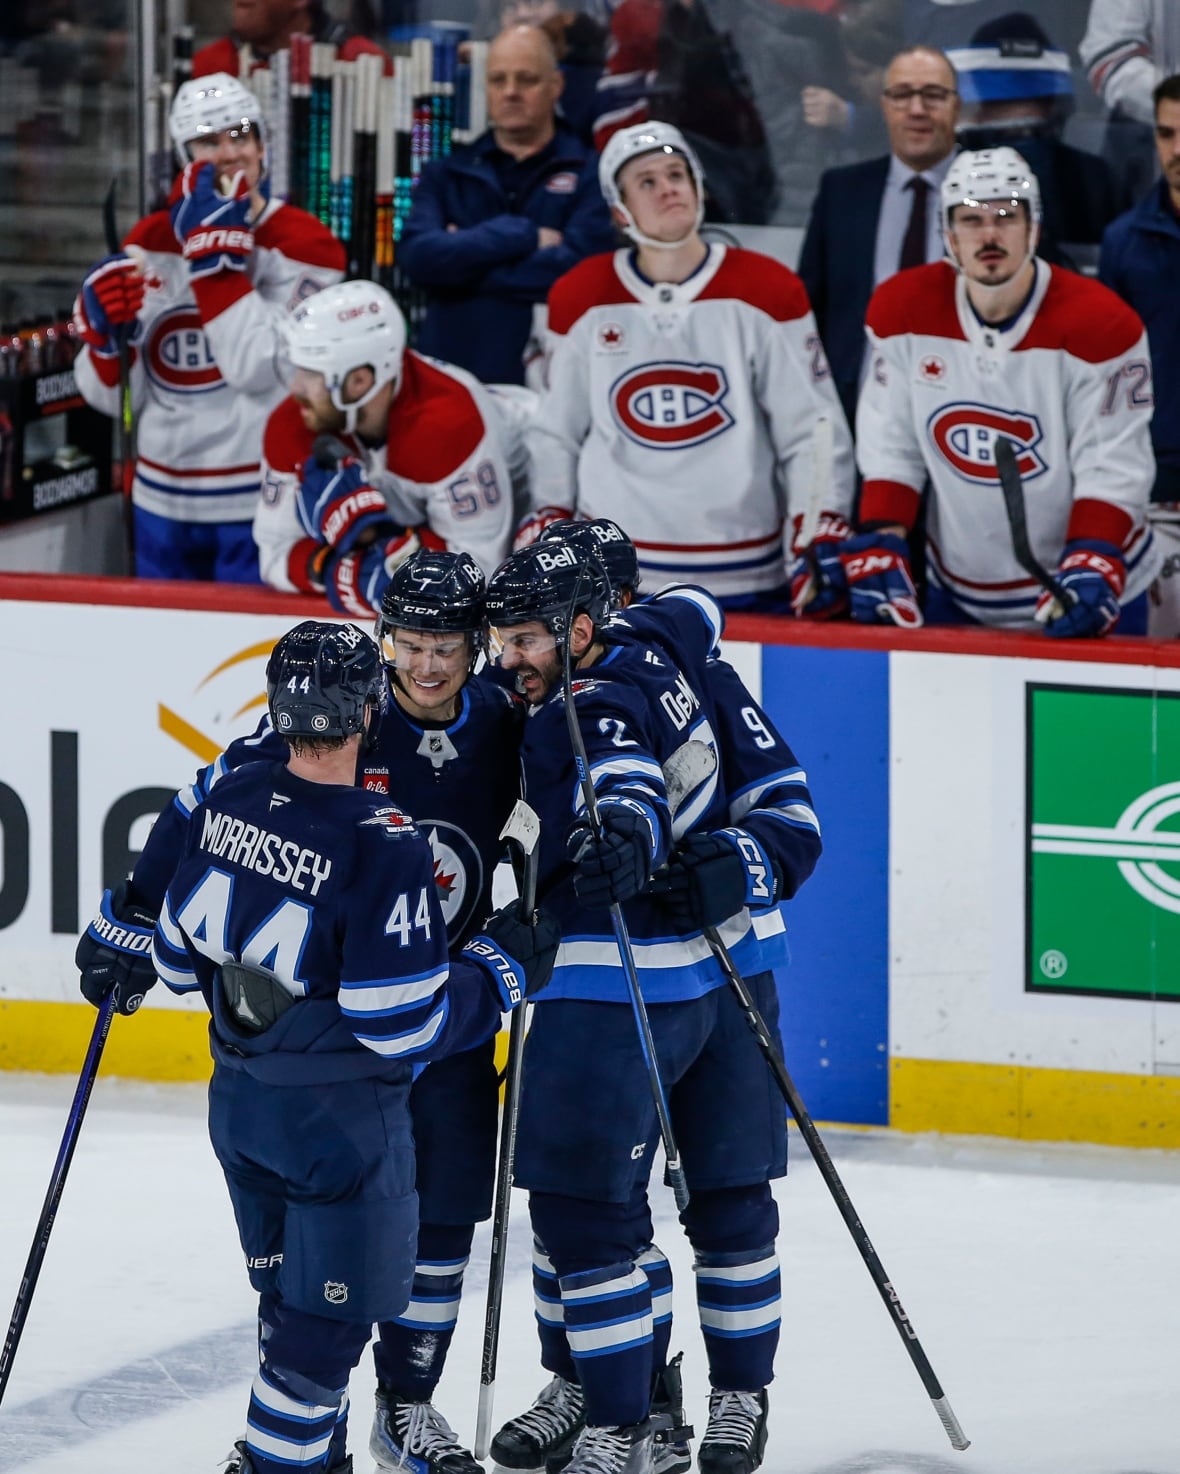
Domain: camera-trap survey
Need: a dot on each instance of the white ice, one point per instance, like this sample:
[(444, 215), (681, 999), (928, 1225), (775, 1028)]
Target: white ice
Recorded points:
[(1044, 1283)]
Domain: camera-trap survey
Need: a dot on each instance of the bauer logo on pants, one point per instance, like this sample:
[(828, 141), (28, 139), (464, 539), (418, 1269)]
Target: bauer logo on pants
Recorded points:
[(671, 406), (1103, 856), (964, 435)]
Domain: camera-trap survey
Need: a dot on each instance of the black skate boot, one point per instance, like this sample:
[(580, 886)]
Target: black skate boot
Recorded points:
[(613, 1450), (415, 1437), (239, 1462), (735, 1439), (544, 1431), (670, 1451)]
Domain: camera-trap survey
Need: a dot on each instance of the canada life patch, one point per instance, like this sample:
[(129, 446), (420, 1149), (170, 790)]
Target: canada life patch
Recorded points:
[(671, 406), (563, 182), (965, 436), (178, 355)]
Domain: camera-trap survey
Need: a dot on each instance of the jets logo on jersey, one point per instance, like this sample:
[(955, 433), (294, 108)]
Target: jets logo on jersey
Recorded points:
[(178, 355), (671, 406), (965, 435), (458, 873)]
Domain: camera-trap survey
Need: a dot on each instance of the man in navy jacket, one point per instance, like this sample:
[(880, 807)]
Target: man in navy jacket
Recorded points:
[(496, 223)]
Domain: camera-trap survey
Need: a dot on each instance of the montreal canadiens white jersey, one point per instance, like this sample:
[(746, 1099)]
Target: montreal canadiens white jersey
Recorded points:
[(206, 369), (1069, 382), (454, 461), (686, 412)]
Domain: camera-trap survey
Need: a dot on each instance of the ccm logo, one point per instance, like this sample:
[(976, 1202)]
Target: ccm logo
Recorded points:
[(219, 240)]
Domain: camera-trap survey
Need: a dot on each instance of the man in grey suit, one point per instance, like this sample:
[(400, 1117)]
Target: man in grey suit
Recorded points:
[(874, 218)]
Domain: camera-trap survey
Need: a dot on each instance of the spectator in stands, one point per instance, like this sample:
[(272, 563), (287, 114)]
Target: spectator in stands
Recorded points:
[(879, 216), (1017, 91), (1141, 261), (1129, 46), (496, 223), (261, 27), (194, 305)]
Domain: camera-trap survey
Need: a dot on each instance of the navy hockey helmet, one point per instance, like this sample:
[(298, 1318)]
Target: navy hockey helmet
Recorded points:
[(436, 591), (609, 543), (549, 582), (320, 679)]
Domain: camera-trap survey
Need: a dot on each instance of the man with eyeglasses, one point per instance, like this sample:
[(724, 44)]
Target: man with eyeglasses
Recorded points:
[(880, 216), (197, 302), (997, 343)]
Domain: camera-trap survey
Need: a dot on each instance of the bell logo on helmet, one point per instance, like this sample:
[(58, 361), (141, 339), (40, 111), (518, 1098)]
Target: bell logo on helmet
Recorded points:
[(557, 558), (965, 436), (671, 406)]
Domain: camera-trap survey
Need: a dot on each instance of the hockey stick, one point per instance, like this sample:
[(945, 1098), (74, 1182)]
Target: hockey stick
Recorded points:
[(1013, 489), (523, 829), (839, 1193), (124, 423), (57, 1182), (821, 475), (619, 926)]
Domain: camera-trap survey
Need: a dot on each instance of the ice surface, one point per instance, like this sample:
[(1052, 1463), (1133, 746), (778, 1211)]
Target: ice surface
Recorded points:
[(1044, 1283)]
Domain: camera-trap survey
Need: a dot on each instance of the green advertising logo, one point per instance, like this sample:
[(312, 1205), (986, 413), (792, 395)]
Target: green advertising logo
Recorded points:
[(1103, 820)]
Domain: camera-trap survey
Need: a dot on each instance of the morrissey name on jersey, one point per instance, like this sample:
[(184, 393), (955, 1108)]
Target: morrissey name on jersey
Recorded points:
[(265, 852)]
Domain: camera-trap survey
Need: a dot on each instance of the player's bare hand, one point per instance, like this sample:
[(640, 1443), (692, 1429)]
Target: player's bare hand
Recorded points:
[(822, 108), (547, 238)]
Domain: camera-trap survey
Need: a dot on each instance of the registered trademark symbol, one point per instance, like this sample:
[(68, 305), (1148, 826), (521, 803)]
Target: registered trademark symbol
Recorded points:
[(1054, 963)]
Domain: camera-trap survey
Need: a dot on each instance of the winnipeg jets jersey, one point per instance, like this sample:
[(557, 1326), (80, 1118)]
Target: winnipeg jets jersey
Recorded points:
[(686, 412), (453, 459), (330, 891), (205, 370), (1069, 382), (458, 780)]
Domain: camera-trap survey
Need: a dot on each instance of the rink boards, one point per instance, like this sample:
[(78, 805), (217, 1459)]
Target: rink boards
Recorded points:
[(990, 944)]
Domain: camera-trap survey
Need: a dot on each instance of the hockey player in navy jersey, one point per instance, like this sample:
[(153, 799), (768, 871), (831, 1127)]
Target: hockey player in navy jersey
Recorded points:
[(587, 1169), (446, 751), (305, 911)]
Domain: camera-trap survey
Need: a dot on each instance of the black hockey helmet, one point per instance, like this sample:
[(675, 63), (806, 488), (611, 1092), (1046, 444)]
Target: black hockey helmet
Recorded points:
[(614, 549), (320, 678), (441, 591), (551, 583)]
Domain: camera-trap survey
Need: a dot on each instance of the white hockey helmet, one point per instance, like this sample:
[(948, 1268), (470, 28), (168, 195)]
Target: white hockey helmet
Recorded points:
[(211, 105), (633, 143), (995, 174), (354, 324)]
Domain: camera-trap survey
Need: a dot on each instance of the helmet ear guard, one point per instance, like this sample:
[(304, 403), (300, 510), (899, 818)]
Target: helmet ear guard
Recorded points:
[(633, 143)]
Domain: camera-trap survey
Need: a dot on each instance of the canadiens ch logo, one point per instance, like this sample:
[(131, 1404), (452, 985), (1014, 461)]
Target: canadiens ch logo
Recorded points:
[(965, 437), (671, 406), (178, 356)]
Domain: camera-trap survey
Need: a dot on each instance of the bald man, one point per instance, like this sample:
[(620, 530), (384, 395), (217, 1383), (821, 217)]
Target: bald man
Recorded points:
[(497, 222)]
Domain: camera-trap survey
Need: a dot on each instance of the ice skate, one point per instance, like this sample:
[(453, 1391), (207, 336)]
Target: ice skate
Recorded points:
[(735, 1439), (415, 1436), (613, 1450), (545, 1432), (239, 1462)]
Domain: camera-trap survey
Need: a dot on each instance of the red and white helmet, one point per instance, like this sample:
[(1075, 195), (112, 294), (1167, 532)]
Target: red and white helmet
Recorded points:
[(354, 324), (212, 104), (633, 143)]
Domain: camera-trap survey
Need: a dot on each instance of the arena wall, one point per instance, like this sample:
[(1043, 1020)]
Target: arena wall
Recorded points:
[(990, 944)]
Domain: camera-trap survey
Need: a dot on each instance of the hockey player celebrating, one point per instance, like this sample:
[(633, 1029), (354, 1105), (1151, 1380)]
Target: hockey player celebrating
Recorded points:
[(305, 911), (684, 382), (587, 1169), (445, 750), (378, 451), (200, 294), (1001, 344)]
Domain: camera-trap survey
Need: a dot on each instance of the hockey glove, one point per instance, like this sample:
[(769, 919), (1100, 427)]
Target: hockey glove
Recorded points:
[(212, 228), (616, 865), (114, 952), (710, 877), (336, 504), (530, 527), (814, 592), (517, 955), (873, 572), (1094, 573), (356, 582), (106, 310)]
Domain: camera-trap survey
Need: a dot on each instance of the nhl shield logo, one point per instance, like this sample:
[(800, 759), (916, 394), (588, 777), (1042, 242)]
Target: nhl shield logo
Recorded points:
[(335, 1293), (671, 406)]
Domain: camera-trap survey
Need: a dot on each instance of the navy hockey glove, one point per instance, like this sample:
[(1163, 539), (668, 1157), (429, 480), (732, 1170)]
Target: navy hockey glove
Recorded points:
[(815, 593), (617, 865), (106, 310), (336, 503), (710, 877), (212, 228), (114, 952), (356, 582), (873, 572), (1095, 574), (518, 955)]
